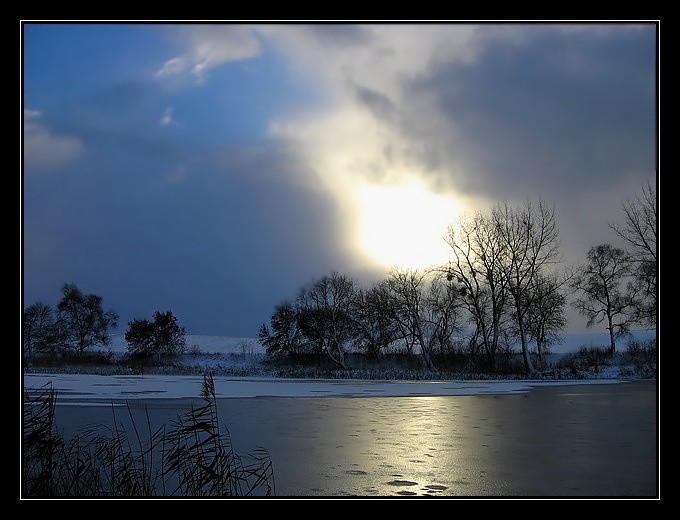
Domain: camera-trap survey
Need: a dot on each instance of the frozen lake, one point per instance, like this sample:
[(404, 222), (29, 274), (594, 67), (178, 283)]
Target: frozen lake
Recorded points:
[(559, 440)]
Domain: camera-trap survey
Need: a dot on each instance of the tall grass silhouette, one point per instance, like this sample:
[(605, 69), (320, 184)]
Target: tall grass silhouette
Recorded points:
[(193, 456)]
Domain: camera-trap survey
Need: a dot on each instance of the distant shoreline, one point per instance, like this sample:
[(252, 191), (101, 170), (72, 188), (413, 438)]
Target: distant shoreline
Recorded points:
[(93, 389)]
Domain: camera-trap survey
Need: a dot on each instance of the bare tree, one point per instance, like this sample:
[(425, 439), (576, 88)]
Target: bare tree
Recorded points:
[(38, 328), (375, 324), (84, 321), (325, 315), (443, 303), (546, 315), (639, 231), (285, 337), (407, 300), (476, 266), (602, 297), (426, 308), (530, 244)]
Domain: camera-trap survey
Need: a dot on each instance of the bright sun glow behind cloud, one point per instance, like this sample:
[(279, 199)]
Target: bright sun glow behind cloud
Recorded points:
[(393, 216), (355, 146), (404, 225)]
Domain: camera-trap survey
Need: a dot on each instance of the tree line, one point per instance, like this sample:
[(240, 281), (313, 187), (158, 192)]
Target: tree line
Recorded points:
[(620, 286), (80, 322), (503, 282)]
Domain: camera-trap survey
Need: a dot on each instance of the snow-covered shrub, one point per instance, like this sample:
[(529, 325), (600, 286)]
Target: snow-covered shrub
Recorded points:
[(643, 356), (586, 361)]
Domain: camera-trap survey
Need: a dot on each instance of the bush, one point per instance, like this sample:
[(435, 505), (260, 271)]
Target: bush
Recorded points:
[(643, 356), (89, 359), (586, 360), (161, 337), (595, 357)]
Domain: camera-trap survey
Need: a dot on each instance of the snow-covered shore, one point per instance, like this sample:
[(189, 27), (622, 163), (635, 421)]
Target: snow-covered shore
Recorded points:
[(91, 388), (243, 360)]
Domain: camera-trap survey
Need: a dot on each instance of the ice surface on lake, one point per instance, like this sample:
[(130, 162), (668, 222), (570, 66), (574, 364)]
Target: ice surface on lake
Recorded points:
[(89, 387)]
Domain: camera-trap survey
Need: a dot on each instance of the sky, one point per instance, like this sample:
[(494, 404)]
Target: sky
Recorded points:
[(214, 170)]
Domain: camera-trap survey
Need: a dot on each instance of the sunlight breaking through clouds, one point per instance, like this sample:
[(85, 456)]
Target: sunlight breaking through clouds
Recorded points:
[(394, 214), (354, 142), (237, 161), (416, 124), (404, 225)]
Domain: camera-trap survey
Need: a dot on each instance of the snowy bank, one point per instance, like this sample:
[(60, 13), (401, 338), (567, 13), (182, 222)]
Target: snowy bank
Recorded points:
[(93, 387)]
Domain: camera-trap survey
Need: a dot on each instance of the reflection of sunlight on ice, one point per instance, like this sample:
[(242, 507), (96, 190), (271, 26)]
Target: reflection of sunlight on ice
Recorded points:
[(405, 446)]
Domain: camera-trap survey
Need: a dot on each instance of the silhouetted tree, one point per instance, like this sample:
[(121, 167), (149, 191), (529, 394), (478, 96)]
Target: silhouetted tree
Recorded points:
[(546, 312), (162, 336), (140, 337), (324, 315), (602, 297), (425, 309), (375, 323), (83, 320), (530, 244), (170, 337), (38, 328), (285, 337), (476, 265), (407, 287), (443, 303), (639, 231)]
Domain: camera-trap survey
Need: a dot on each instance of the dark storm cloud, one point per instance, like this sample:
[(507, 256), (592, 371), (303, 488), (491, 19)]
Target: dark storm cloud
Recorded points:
[(240, 237), (335, 35), (380, 105), (218, 235), (559, 112)]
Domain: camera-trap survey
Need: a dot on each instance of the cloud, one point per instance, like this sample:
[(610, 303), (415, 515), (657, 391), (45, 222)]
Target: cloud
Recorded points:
[(555, 113), (45, 150), (396, 120), (357, 143), (479, 114), (335, 35), (208, 47), (382, 107), (30, 115), (475, 113), (167, 119), (127, 119), (172, 67)]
